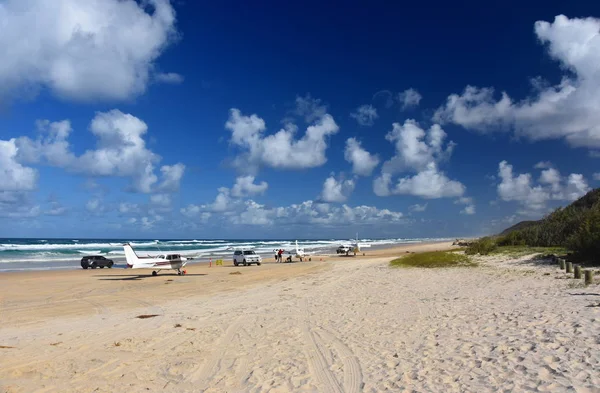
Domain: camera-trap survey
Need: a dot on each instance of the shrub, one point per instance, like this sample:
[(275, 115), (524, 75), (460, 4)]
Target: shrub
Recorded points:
[(433, 259), (483, 246)]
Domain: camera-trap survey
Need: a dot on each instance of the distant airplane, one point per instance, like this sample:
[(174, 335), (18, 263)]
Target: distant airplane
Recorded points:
[(354, 246), (157, 262), (296, 253)]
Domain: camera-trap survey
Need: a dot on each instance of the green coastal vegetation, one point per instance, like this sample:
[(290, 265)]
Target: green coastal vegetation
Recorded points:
[(434, 259), (573, 230)]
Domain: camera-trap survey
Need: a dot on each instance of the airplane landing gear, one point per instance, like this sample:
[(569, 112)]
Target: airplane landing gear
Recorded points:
[(181, 272), (155, 273)]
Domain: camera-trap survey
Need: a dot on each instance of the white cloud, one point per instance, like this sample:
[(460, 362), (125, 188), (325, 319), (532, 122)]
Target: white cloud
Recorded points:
[(244, 186), (121, 151), (51, 147), (127, 208), (223, 202), (596, 176), (170, 78), (430, 184), (409, 98), (419, 152), (171, 177), (567, 110), (309, 212), (95, 206), (363, 162), (543, 165), (381, 185), (280, 150), (384, 97), (161, 200), (82, 50), (533, 198), (365, 115), (13, 175), (469, 208), (415, 148), (418, 208), (191, 210), (337, 190)]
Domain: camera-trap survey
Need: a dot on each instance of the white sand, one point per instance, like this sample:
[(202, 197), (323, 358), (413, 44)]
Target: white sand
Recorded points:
[(347, 325)]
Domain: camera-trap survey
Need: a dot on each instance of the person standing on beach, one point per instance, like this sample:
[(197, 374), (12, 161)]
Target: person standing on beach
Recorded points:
[(279, 254)]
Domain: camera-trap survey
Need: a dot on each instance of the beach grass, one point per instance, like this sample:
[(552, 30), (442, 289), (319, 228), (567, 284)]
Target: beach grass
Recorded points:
[(434, 259), (519, 251)]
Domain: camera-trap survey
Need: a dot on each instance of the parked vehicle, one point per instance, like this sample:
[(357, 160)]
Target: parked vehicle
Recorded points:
[(94, 261), (343, 250), (246, 257)]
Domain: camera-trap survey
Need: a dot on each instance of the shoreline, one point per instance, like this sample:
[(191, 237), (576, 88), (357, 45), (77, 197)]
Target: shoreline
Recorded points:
[(120, 260)]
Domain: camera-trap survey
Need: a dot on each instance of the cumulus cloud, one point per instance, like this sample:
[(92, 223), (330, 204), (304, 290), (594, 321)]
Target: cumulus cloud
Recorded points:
[(310, 212), (281, 150), (416, 208), (160, 200), (171, 177), (121, 151), (82, 50), (128, 208), (13, 175), (95, 206), (409, 98), (419, 152), (245, 186), (169, 77), (363, 162), (567, 110), (416, 148), (469, 208), (336, 190), (533, 198), (365, 115), (430, 183)]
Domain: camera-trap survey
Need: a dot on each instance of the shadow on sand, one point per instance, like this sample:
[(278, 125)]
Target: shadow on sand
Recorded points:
[(127, 277)]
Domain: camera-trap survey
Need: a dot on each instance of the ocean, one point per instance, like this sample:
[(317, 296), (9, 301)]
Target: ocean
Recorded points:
[(55, 254)]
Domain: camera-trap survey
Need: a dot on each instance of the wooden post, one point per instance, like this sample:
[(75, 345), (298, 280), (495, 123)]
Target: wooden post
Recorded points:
[(569, 267), (578, 271), (562, 263), (588, 277)]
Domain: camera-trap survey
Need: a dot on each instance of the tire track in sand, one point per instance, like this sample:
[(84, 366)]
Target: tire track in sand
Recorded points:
[(317, 363), (353, 378), (206, 372)]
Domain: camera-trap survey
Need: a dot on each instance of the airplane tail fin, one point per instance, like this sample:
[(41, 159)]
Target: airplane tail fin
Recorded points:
[(130, 255)]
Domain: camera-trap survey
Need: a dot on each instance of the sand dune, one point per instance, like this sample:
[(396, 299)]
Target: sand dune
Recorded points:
[(341, 325)]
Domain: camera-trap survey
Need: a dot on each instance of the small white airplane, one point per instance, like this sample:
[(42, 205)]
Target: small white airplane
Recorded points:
[(157, 262)]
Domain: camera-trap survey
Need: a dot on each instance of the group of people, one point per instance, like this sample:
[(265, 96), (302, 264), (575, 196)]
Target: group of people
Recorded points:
[(278, 255)]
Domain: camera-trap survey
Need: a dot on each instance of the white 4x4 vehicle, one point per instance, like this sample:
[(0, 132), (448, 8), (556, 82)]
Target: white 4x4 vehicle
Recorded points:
[(246, 257)]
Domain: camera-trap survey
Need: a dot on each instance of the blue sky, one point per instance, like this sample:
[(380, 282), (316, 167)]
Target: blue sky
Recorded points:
[(307, 120)]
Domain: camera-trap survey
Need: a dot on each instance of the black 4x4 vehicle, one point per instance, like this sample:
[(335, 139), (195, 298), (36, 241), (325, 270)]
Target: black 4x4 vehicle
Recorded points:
[(95, 261)]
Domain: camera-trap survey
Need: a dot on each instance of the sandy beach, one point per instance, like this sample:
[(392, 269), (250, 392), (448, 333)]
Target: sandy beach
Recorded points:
[(336, 324)]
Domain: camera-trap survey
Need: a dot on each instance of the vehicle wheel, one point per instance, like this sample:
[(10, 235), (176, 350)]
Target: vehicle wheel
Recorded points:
[(257, 263), (102, 267), (94, 265), (84, 267), (154, 273), (110, 265), (235, 263)]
